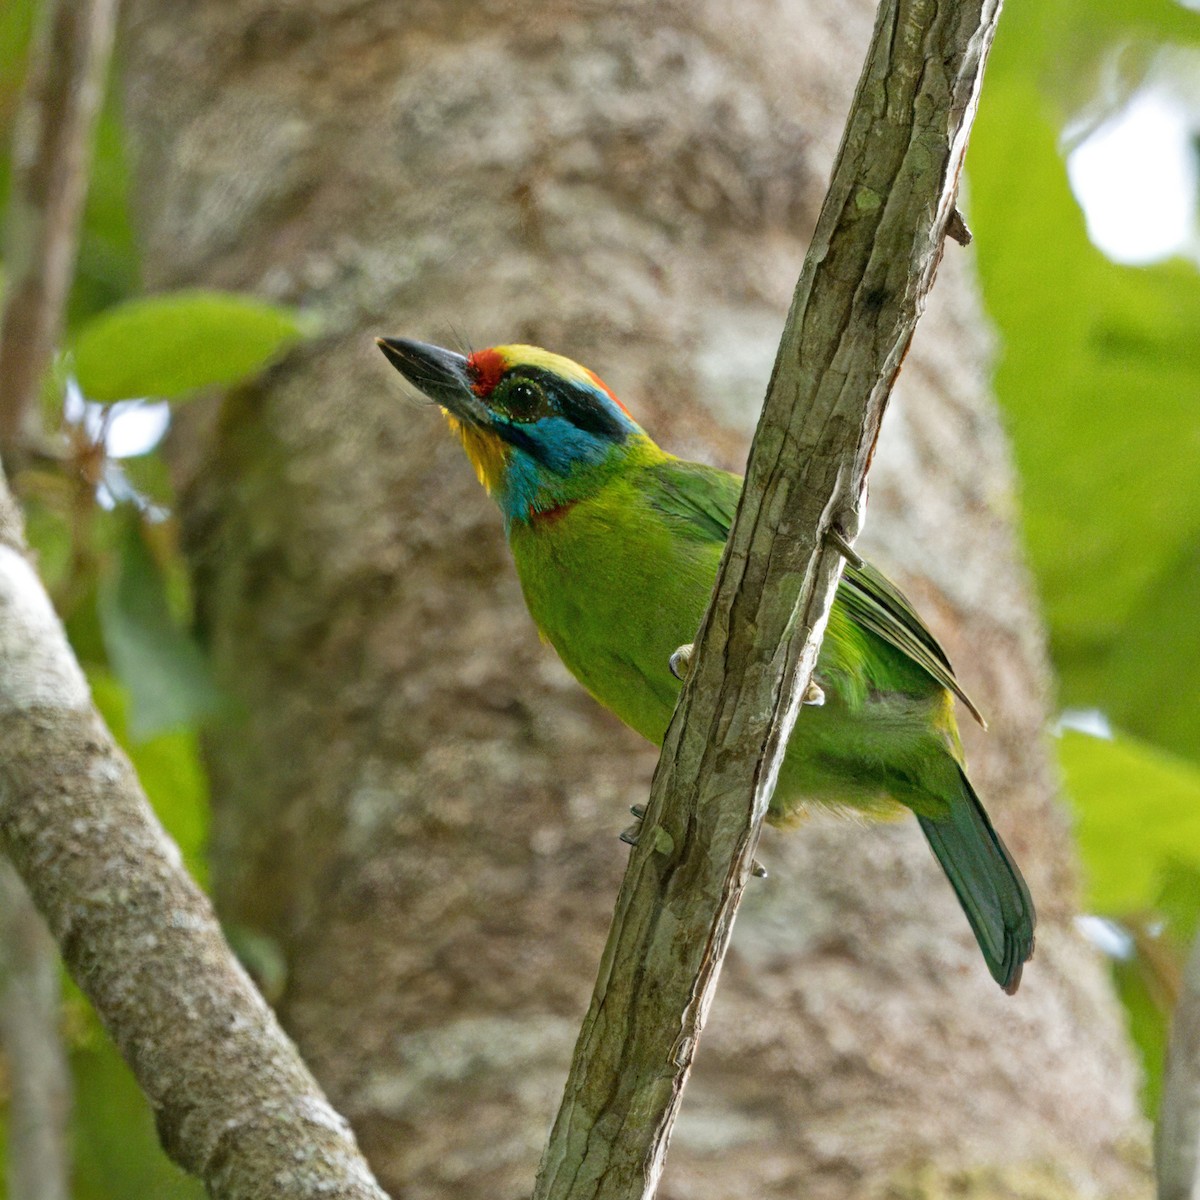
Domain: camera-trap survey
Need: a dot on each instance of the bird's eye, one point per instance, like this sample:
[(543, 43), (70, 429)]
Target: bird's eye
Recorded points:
[(524, 401)]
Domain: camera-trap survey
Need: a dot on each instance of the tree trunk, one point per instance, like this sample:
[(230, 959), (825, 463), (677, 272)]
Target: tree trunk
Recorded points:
[(418, 805)]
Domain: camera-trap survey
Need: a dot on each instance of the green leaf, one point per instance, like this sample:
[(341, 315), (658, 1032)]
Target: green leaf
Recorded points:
[(169, 681), (1152, 668), (1138, 819), (1096, 356), (173, 344)]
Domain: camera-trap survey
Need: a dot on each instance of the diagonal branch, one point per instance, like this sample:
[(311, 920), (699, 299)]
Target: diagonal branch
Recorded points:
[(863, 286), (234, 1103)]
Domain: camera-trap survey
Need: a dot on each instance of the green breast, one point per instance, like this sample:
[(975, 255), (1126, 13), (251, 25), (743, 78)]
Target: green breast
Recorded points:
[(615, 594)]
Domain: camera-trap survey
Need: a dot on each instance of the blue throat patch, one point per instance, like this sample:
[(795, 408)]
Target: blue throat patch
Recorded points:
[(545, 456)]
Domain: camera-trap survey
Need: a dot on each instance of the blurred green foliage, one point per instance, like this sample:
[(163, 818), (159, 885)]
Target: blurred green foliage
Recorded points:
[(163, 670), (1130, 861), (1099, 378), (171, 345)]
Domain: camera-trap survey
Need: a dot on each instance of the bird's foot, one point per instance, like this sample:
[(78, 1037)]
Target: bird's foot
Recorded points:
[(681, 661), (630, 837)]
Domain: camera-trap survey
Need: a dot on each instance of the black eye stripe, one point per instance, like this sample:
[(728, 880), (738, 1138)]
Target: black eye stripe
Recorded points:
[(578, 405)]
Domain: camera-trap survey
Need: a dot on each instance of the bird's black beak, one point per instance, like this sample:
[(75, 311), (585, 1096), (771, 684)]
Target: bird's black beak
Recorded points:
[(440, 374)]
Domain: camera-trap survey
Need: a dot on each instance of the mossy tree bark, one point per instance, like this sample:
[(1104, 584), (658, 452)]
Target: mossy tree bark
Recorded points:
[(419, 806)]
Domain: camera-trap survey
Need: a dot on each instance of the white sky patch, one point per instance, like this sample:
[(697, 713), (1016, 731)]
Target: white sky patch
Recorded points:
[(1107, 936), (1135, 177), (1085, 720)]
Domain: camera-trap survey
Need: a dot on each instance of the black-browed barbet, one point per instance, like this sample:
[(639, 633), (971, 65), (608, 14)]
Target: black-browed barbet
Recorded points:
[(616, 544)]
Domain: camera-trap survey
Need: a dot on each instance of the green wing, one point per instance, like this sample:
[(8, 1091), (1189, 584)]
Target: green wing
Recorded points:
[(878, 604), (703, 500)]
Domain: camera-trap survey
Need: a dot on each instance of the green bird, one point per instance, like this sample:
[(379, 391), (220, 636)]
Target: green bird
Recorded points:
[(616, 544)]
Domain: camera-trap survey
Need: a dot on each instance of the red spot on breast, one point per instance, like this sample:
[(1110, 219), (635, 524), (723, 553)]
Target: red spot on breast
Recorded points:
[(547, 516), (485, 369), (608, 392)]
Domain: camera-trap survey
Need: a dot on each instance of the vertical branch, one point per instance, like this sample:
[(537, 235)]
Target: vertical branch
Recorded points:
[(863, 285), (51, 153), (1177, 1138), (40, 1096)]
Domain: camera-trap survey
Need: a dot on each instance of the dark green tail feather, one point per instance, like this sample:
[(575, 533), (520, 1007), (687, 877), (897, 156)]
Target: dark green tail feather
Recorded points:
[(988, 885)]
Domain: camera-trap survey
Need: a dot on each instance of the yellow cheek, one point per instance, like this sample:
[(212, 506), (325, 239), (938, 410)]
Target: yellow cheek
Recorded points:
[(487, 454)]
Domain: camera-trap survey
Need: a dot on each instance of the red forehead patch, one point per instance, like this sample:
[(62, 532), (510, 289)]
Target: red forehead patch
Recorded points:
[(485, 369)]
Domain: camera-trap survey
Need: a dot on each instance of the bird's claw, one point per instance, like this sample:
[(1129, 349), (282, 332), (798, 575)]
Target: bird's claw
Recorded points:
[(681, 661), (630, 837)]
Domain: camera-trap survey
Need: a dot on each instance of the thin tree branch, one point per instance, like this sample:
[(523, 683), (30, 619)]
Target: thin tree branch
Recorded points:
[(234, 1103), (864, 282), (39, 1078), (1177, 1137), (51, 153)]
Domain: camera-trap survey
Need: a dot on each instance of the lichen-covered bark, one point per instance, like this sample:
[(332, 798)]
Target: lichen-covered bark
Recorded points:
[(418, 804)]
